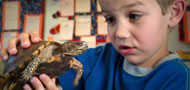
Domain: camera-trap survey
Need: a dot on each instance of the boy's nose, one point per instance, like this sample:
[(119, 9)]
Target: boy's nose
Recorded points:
[(122, 31)]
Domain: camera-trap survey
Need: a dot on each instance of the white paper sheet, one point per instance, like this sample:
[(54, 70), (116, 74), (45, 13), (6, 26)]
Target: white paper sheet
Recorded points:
[(11, 15), (67, 7), (102, 25), (82, 5), (66, 30), (83, 25), (6, 36), (98, 6), (91, 40), (33, 22)]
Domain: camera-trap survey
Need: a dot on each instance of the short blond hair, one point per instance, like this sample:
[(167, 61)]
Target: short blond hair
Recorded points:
[(164, 5)]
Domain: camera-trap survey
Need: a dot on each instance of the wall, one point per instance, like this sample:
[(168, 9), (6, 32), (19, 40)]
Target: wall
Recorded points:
[(174, 43)]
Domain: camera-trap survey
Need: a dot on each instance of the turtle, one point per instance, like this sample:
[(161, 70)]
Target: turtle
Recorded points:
[(48, 57)]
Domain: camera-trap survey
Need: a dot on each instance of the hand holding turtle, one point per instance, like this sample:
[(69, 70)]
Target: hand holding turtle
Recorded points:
[(24, 38), (50, 85)]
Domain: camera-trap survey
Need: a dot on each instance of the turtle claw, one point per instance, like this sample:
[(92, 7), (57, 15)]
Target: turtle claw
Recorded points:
[(24, 78)]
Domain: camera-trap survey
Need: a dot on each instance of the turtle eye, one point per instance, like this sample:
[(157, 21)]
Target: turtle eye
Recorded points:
[(78, 43)]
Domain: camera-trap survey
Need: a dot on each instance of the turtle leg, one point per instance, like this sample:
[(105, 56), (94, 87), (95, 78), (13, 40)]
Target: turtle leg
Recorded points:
[(29, 71), (79, 71)]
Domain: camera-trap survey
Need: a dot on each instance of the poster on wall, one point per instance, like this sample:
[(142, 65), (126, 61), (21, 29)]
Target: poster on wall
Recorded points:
[(33, 22), (66, 30), (11, 15), (82, 25), (5, 36), (82, 6), (67, 7)]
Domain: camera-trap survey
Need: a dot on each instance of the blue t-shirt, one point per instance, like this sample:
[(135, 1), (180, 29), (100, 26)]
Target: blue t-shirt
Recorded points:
[(103, 70)]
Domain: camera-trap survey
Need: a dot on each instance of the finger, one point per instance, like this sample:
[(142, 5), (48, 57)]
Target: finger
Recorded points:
[(50, 85), (35, 37), (36, 83), (12, 46), (53, 80), (4, 54), (27, 87), (24, 39)]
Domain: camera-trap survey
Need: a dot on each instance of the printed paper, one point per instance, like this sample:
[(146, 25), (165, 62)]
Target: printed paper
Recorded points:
[(66, 30), (83, 5), (67, 7), (83, 25), (11, 15)]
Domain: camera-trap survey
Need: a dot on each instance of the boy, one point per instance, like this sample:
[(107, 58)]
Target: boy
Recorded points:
[(137, 57)]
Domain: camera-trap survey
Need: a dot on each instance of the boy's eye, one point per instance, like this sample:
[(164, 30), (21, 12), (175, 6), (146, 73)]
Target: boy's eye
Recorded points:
[(110, 20), (135, 16)]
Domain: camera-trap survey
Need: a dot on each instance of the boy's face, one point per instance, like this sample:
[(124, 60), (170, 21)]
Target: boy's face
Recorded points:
[(137, 29)]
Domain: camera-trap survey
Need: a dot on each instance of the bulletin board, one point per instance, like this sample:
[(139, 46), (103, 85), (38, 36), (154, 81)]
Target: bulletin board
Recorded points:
[(14, 16), (82, 18), (52, 16)]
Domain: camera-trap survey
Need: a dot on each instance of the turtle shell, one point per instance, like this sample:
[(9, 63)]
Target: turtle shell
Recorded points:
[(49, 57), (18, 62)]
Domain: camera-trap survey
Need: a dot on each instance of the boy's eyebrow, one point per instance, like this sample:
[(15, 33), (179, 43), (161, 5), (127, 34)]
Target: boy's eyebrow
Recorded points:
[(133, 4)]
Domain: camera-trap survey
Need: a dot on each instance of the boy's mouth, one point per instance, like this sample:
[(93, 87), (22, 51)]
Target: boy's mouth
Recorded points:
[(125, 49)]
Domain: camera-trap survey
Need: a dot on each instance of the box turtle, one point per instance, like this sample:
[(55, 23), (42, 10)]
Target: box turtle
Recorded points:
[(49, 57)]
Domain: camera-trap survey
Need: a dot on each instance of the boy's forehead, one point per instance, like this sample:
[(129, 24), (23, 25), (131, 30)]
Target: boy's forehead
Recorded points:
[(123, 3)]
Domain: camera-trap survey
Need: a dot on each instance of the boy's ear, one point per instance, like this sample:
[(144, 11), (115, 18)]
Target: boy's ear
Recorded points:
[(176, 12)]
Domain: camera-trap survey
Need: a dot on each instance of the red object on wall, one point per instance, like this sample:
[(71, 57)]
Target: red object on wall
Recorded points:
[(57, 14), (55, 29)]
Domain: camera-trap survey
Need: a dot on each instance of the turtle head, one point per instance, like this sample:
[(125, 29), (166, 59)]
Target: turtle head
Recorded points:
[(74, 47)]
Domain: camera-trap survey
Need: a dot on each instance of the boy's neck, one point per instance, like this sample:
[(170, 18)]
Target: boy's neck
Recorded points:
[(163, 52)]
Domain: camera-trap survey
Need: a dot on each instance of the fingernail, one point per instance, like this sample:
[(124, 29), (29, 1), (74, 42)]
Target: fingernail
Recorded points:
[(33, 80), (36, 39), (25, 44), (42, 76), (26, 87), (12, 51)]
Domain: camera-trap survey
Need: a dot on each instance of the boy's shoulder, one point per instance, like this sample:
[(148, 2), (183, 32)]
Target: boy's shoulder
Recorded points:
[(177, 64), (174, 67), (170, 75)]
